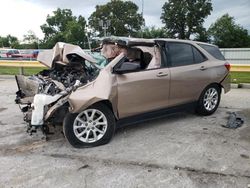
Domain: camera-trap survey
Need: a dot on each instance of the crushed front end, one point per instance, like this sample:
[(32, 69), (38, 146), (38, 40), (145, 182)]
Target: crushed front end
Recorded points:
[(43, 98)]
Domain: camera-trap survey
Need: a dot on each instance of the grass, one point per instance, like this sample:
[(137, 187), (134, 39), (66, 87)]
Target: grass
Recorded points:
[(236, 77), (240, 77), (14, 70)]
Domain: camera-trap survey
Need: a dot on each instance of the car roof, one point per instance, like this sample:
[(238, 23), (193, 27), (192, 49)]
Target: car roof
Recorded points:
[(128, 41)]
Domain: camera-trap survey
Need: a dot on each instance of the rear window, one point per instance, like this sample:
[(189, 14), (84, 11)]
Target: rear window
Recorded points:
[(182, 54), (213, 50)]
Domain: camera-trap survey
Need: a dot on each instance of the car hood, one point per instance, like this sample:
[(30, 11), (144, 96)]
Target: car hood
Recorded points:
[(59, 54)]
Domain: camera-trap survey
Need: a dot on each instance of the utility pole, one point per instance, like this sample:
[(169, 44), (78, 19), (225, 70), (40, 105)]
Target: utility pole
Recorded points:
[(87, 33), (104, 24), (142, 11)]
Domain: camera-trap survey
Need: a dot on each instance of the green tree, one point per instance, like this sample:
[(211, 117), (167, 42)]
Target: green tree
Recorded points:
[(30, 41), (185, 17), (75, 30), (153, 32), (62, 26), (227, 34), (9, 41), (202, 35), (123, 17)]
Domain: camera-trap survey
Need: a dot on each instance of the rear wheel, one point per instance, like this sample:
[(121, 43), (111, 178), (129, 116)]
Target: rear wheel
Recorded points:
[(92, 127), (209, 100)]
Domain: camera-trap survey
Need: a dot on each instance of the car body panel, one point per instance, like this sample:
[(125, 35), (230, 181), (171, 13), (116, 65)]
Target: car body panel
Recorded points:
[(142, 91), (226, 83), (59, 54)]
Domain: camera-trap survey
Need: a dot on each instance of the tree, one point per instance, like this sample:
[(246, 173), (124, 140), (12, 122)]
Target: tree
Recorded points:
[(75, 30), (152, 32), (202, 35), (62, 26), (227, 34), (9, 41), (30, 41), (185, 17), (123, 17)]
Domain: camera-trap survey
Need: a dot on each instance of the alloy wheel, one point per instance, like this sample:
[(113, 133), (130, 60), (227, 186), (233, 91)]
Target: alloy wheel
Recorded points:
[(210, 99), (90, 125)]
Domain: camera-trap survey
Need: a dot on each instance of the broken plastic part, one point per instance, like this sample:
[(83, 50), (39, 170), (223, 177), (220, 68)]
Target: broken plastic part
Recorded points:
[(40, 101), (234, 121)]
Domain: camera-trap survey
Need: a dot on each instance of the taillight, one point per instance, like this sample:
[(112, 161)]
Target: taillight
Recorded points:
[(228, 66)]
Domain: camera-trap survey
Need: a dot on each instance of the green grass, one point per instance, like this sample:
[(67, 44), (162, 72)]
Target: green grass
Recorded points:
[(240, 77), (14, 70), (236, 77)]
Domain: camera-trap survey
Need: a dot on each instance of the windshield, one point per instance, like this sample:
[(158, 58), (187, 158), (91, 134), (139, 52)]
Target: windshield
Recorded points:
[(101, 61)]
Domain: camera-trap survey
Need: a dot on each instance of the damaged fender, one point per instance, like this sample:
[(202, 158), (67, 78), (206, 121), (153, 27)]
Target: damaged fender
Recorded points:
[(103, 88)]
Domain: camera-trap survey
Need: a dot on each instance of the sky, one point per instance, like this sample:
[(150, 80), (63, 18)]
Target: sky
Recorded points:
[(20, 16)]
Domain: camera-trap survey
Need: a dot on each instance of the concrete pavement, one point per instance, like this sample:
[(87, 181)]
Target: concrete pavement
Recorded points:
[(182, 150)]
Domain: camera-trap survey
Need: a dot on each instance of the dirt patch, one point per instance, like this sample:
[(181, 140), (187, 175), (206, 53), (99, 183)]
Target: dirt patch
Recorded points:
[(245, 134), (1, 123), (2, 109), (246, 114), (23, 148)]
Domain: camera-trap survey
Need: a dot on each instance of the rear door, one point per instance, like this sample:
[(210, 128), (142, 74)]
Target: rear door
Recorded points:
[(189, 72)]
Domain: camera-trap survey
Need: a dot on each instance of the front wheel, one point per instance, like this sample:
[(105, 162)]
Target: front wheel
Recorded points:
[(209, 100), (93, 126)]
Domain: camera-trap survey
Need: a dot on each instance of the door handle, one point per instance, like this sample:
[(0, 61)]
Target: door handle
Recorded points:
[(161, 74), (203, 68)]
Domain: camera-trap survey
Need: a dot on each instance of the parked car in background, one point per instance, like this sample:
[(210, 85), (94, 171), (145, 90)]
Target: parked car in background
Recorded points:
[(142, 79), (35, 53), (6, 53), (26, 54)]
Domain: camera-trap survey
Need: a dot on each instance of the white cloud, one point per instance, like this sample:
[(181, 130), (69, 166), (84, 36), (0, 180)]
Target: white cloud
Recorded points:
[(17, 17)]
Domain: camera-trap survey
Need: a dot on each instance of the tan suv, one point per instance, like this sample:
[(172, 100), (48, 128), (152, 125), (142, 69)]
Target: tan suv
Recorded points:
[(138, 79)]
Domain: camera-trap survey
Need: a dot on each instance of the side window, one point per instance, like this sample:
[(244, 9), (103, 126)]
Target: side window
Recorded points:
[(198, 56), (180, 54), (213, 50)]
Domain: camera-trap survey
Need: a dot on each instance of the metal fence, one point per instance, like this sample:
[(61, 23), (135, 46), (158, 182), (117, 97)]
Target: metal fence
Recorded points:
[(239, 58), (237, 55)]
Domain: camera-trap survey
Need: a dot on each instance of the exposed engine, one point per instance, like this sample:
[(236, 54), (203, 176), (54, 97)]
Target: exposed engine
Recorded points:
[(52, 81), (44, 95)]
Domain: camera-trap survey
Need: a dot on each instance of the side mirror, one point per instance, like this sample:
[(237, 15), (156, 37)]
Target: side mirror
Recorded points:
[(126, 67)]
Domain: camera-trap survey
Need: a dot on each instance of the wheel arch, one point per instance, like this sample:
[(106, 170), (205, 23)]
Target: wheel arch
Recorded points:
[(90, 103), (109, 105), (213, 83)]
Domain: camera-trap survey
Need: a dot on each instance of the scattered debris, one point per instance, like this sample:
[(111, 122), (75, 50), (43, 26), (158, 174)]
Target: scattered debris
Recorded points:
[(234, 121), (83, 167), (244, 156), (2, 109)]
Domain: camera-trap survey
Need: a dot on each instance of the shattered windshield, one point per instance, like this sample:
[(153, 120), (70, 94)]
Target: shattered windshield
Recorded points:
[(101, 61)]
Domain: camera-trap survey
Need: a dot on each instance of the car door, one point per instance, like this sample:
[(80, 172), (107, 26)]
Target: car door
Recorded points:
[(142, 91), (189, 72)]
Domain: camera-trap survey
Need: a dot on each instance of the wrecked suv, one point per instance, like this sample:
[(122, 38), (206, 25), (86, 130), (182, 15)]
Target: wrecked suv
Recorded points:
[(140, 79)]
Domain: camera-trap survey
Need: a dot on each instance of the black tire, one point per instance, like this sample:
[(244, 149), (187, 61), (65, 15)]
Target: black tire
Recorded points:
[(201, 108), (68, 127)]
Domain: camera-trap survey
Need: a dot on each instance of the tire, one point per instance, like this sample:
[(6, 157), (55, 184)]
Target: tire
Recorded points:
[(209, 100), (87, 129)]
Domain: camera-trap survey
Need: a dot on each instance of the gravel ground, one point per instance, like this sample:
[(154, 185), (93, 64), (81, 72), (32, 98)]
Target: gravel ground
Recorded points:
[(181, 150)]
